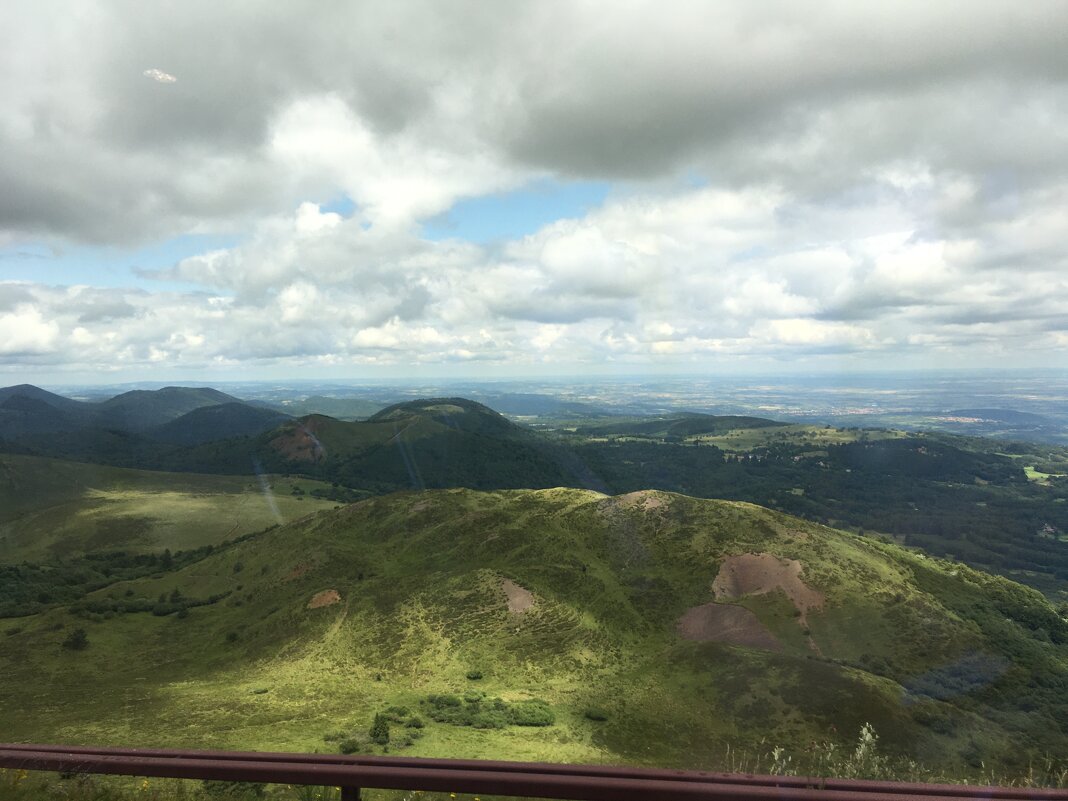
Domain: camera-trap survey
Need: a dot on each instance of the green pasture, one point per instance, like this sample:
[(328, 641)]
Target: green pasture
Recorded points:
[(51, 509)]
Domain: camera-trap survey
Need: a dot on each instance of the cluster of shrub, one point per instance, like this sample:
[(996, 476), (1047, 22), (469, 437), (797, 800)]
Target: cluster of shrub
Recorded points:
[(475, 709), (335, 492), (29, 588), (380, 732), (165, 605)]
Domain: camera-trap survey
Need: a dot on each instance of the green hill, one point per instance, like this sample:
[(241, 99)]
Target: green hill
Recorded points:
[(42, 395), (431, 443), (343, 408), (140, 409), (221, 421), (28, 413), (997, 506), (646, 628)]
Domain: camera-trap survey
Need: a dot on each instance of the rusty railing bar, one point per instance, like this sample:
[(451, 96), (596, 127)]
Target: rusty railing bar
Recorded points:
[(532, 782), (826, 783)]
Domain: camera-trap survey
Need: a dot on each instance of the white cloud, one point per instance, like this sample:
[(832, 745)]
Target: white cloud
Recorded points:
[(802, 331), (781, 186), (159, 76), (25, 331)]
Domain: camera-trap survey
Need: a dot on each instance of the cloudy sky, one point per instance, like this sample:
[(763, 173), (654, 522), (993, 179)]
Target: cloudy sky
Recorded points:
[(209, 190)]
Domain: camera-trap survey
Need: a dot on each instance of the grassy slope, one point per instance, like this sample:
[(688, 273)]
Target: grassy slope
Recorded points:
[(54, 508), (420, 578)]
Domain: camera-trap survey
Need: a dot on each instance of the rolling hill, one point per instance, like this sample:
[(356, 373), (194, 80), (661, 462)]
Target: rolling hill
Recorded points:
[(43, 395), (140, 409), (343, 408), (997, 506), (647, 628), (27, 412), (430, 443), (219, 421)]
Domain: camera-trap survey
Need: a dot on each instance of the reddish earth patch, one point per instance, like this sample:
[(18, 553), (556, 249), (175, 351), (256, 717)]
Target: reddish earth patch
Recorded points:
[(519, 599), (324, 598), (300, 443), (760, 573), (726, 623)]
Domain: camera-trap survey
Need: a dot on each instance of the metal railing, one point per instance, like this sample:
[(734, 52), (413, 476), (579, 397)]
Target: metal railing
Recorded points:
[(523, 779)]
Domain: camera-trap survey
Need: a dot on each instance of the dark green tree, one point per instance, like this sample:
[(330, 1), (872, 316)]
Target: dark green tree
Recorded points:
[(77, 640), (380, 729)]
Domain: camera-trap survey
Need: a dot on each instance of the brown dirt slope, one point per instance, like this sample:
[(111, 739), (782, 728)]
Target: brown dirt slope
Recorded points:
[(726, 623), (300, 443), (519, 599), (760, 573), (324, 598)]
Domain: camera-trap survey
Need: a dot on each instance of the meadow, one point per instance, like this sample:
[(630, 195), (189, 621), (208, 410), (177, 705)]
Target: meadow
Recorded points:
[(51, 509)]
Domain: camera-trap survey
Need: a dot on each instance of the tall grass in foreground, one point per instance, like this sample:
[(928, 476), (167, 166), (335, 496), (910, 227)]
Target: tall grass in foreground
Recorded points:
[(862, 761), (865, 761)]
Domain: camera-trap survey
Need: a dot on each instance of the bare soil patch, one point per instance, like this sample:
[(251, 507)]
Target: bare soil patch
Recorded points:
[(324, 598), (519, 599), (726, 623), (300, 444), (760, 573), (646, 500)]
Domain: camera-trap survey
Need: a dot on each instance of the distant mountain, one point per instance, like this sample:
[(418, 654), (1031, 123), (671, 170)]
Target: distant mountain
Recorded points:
[(950, 495), (139, 409), (221, 421), (436, 442), (36, 393), (35, 417), (26, 410), (340, 408), (458, 414)]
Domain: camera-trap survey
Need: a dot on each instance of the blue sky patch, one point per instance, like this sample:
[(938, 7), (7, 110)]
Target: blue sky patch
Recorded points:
[(511, 215), (105, 266)]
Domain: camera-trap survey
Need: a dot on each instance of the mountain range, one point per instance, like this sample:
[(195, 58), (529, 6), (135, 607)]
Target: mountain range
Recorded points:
[(182, 568), (997, 506)]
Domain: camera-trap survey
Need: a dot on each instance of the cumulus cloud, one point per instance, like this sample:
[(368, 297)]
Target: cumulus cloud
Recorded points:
[(787, 180)]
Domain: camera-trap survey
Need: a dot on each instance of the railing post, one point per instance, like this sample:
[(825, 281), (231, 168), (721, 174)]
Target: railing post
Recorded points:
[(350, 794)]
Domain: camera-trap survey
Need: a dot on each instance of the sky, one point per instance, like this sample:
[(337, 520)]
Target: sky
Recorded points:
[(217, 191)]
